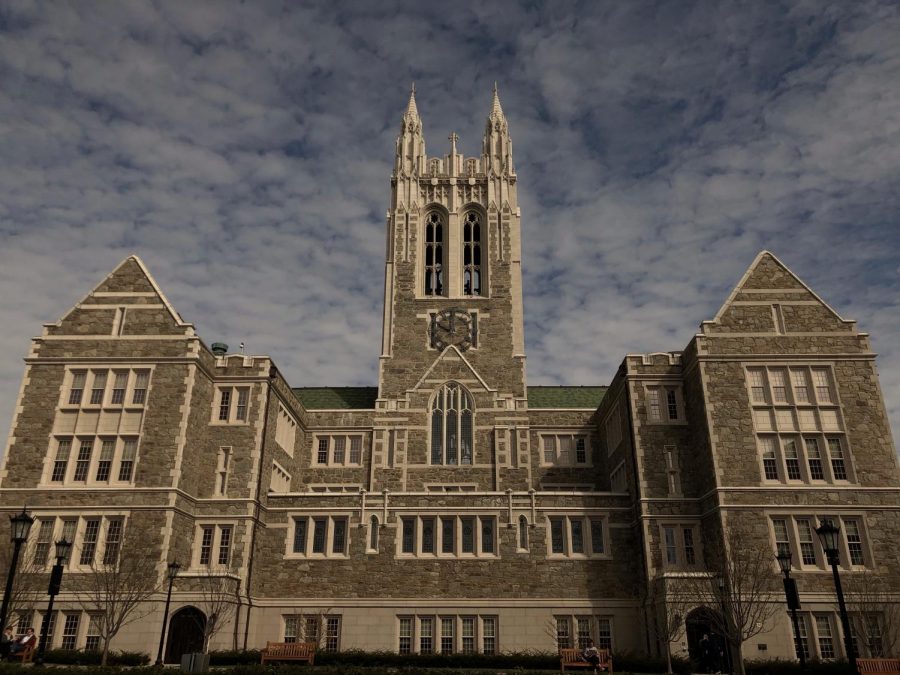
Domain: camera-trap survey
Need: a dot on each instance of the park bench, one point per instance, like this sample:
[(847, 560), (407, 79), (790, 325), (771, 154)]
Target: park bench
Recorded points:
[(571, 658), (289, 651), (23, 656), (879, 666)]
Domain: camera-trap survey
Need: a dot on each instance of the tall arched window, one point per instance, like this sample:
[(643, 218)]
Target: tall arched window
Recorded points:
[(373, 533), (452, 430), (472, 254), (523, 533), (434, 254)]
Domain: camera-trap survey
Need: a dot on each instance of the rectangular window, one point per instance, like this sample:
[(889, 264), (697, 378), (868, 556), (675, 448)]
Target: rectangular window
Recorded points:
[(563, 634), (854, 541), (68, 533), (44, 539), (63, 449), (338, 450), (838, 468), (557, 544), (26, 620), (77, 389), (426, 635), (800, 385), (604, 633), (814, 459), (690, 557), (671, 404), (565, 449), (468, 535), (803, 642), (583, 626), (487, 535), (597, 542), (320, 526), (92, 639), (489, 635), (791, 459), (549, 449), (311, 630), (243, 396), (83, 461), (89, 543), (332, 633), (224, 545), (224, 404), (468, 635), (70, 631), (300, 535), (233, 405), (653, 404), (779, 385), (782, 541), (823, 385), (406, 634), (428, 535), (129, 453), (322, 456), (141, 379), (757, 385), (448, 532), (577, 536), (671, 546), (206, 542), (339, 444), (355, 449), (805, 538), (770, 461), (120, 382), (291, 627), (580, 451), (339, 536), (447, 637), (98, 387), (104, 465), (826, 638), (113, 541), (409, 535)]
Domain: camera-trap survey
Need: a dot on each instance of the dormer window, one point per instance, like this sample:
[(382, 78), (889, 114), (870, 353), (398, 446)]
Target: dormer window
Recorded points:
[(434, 254), (472, 254)]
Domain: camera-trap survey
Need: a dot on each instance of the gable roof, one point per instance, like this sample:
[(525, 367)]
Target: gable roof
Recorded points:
[(337, 398), (565, 397)]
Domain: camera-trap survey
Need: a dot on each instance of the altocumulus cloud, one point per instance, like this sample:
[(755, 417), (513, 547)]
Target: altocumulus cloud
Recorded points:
[(244, 150)]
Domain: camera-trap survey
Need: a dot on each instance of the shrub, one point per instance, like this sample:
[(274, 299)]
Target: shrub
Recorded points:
[(72, 657), (781, 667), (234, 657)]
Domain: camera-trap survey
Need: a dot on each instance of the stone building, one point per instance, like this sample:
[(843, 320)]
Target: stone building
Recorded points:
[(452, 507)]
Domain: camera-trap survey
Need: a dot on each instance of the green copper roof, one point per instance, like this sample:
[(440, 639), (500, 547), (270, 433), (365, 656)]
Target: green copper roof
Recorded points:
[(565, 397), (337, 398)]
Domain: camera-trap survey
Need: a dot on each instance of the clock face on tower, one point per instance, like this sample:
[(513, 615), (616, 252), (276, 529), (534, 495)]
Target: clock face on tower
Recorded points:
[(454, 326)]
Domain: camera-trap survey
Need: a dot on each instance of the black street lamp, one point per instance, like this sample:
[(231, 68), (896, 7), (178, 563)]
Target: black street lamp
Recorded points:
[(793, 603), (172, 572), (20, 525), (63, 547), (829, 536)]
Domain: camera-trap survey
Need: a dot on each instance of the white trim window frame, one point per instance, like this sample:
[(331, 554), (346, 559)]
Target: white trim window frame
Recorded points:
[(679, 544), (799, 425), (88, 387), (318, 536), (566, 448), (214, 545), (231, 404), (440, 632), (337, 450), (88, 460), (96, 539), (664, 403), (448, 535), (794, 533), (570, 628), (577, 536)]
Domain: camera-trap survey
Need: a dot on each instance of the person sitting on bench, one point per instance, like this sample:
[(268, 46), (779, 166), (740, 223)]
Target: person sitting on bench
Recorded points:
[(23, 643), (591, 655)]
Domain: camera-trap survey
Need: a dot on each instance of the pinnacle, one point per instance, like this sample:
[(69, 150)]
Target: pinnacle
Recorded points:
[(411, 110), (496, 110)]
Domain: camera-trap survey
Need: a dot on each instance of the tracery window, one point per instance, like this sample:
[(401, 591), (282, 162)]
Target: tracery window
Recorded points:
[(434, 254), (452, 428), (472, 254)]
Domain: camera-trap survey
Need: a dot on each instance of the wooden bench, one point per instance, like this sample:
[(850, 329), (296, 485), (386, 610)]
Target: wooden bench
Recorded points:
[(878, 666), (571, 658), (25, 655), (289, 651)]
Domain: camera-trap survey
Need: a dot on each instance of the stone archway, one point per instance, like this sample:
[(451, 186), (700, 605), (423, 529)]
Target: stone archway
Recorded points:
[(705, 621), (185, 633)]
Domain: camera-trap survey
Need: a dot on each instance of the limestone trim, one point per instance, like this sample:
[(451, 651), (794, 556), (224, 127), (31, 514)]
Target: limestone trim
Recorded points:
[(129, 307), (449, 604), (425, 376)]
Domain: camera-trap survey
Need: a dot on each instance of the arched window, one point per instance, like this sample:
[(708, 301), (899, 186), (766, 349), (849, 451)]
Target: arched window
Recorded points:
[(472, 254), (434, 254), (451, 425), (373, 533), (523, 532)]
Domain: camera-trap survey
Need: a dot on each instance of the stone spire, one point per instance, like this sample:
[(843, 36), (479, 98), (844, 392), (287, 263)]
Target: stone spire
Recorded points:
[(410, 157), (497, 146)]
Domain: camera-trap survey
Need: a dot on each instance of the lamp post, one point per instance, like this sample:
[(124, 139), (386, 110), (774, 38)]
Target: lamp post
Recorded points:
[(828, 535), (171, 572), (20, 525), (63, 547), (793, 603)]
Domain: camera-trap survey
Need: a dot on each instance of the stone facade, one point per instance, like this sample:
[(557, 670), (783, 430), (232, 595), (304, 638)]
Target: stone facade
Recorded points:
[(520, 512)]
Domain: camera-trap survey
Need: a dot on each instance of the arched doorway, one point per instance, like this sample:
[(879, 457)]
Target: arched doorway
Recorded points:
[(705, 621), (185, 633)]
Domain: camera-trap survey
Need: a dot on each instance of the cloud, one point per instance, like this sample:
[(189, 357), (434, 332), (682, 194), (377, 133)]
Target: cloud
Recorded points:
[(244, 151)]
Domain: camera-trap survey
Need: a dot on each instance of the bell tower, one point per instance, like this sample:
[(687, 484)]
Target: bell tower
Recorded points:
[(453, 281)]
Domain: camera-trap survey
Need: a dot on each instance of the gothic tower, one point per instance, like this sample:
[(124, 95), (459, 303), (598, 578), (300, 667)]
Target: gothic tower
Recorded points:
[(453, 283)]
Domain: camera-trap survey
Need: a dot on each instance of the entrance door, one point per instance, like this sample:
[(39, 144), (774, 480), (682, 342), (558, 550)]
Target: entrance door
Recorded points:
[(706, 646), (185, 635)]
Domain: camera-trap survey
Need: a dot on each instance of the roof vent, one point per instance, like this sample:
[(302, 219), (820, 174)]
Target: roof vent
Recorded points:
[(219, 348)]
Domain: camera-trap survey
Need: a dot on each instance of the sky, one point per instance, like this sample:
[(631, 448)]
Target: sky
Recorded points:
[(243, 150)]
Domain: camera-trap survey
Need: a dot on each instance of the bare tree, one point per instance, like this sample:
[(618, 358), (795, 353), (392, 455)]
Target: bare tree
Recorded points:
[(30, 583), (739, 586), (874, 613), (672, 600), (118, 585), (312, 626), (219, 589)]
